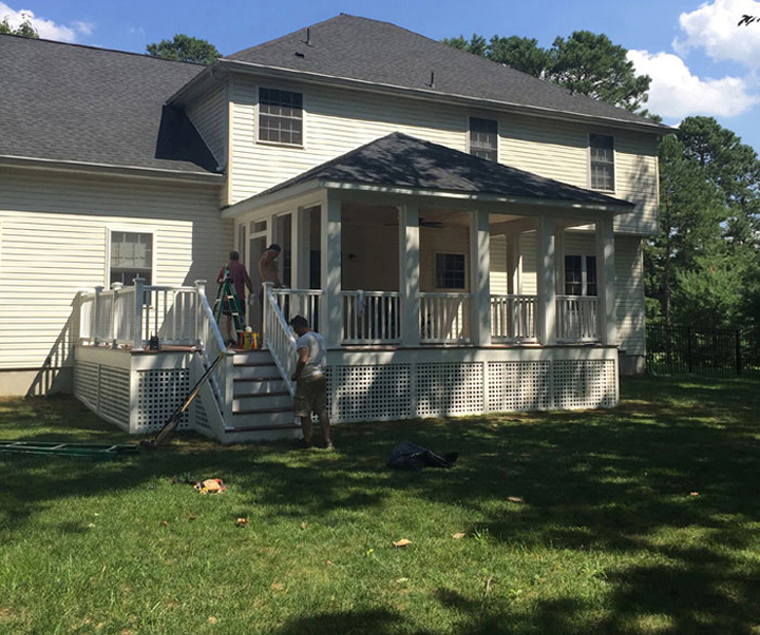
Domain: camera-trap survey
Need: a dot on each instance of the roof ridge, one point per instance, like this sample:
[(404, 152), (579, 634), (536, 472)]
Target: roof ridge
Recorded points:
[(97, 48), (284, 37)]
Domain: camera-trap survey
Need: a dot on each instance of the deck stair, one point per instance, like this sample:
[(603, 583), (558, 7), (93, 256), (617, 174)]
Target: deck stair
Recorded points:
[(262, 407)]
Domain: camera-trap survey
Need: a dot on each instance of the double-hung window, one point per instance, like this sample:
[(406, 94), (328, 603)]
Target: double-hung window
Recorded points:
[(484, 138), (131, 257), (280, 116), (450, 271), (580, 275), (602, 162)]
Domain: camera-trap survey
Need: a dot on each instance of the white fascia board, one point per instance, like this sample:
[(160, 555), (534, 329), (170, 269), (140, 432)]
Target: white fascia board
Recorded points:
[(430, 95), (262, 200), (56, 165), (476, 197)]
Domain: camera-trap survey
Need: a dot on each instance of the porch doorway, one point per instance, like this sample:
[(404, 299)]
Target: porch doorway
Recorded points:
[(256, 248)]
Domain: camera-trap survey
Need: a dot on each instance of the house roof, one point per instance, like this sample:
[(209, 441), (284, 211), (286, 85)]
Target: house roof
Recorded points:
[(382, 53), (64, 102), (404, 162)]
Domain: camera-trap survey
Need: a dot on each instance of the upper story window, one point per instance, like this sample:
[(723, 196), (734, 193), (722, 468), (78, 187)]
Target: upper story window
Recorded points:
[(602, 162), (280, 116), (131, 257), (484, 138), (580, 275)]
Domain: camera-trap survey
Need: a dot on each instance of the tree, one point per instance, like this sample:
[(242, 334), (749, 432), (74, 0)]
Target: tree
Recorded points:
[(584, 63), (25, 28), (704, 266), (185, 49), (592, 65), (690, 216)]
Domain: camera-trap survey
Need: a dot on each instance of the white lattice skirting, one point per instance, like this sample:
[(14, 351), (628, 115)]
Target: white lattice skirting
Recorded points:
[(399, 391), (138, 400)]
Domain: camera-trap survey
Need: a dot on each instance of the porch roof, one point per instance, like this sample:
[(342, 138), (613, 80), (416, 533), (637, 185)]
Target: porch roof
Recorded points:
[(406, 164)]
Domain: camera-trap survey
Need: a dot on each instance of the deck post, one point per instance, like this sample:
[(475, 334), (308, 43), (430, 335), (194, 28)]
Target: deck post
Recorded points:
[(139, 299), (605, 258), (331, 318), (409, 268), (546, 306), (480, 279), (96, 315), (200, 292), (116, 286)]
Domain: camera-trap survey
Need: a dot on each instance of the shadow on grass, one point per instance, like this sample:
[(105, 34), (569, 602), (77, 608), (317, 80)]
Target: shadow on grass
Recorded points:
[(677, 454)]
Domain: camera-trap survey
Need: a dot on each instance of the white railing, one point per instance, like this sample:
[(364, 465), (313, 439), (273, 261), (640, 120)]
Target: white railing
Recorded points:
[(211, 344), (304, 302), (513, 318), (131, 315), (577, 319), (371, 317), (445, 318), (278, 337)]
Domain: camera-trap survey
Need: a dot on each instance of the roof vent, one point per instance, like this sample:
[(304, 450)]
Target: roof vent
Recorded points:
[(432, 79), (308, 37), (300, 54)]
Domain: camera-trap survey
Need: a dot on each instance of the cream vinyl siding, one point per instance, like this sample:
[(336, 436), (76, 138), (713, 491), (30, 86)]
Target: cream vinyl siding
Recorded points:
[(335, 122), (209, 116), (559, 150), (54, 241)]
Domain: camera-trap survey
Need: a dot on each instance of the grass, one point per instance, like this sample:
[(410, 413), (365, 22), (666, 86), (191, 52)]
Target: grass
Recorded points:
[(643, 519)]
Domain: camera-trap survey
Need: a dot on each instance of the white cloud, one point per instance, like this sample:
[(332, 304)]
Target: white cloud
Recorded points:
[(47, 29), (676, 93), (714, 28)]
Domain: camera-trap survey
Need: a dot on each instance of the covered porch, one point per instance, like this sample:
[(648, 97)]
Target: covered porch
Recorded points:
[(406, 244)]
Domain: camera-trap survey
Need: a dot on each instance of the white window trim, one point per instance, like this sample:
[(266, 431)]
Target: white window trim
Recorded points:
[(134, 229), (584, 276), (435, 272), (614, 162), (498, 133), (257, 113)]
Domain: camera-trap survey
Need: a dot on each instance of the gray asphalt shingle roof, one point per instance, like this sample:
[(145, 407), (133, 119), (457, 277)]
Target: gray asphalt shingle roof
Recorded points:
[(75, 103), (381, 52), (399, 160)]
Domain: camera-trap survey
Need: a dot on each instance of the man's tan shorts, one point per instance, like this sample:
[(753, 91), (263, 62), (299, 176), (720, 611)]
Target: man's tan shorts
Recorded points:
[(311, 396)]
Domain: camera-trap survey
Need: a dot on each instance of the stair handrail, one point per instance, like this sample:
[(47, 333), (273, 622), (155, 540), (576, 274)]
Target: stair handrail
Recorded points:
[(210, 345), (278, 337)]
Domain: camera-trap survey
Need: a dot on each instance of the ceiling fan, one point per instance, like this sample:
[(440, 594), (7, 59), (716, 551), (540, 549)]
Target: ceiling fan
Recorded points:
[(431, 224)]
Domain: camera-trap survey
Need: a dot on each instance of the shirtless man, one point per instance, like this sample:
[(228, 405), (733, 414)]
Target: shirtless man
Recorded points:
[(268, 269)]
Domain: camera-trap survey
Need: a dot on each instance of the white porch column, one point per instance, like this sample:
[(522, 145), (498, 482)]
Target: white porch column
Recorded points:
[(331, 310), (301, 248), (514, 264), (559, 260), (605, 267), (480, 279), (409, 274), (546, 308)]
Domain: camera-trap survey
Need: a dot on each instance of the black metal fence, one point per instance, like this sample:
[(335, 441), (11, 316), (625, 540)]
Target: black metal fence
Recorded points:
[(687, 349)]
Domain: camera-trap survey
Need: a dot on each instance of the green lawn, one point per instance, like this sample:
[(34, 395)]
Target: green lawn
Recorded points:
[(645, 519)]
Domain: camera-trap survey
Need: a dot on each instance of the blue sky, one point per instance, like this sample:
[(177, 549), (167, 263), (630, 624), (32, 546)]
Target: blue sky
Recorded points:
[(700, 61)]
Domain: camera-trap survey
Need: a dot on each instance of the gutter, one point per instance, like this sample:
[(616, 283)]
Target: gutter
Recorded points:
[(252, 68), (115, 170), (261, 200)]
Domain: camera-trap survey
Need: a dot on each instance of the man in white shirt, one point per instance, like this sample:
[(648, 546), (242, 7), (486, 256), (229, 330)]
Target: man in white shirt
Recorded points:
[(311, 383)]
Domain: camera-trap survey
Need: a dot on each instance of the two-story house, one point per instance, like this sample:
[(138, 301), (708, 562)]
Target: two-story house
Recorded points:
[(468, 238)]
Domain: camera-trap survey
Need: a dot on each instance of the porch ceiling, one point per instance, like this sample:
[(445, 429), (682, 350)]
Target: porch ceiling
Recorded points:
[(406, 165)]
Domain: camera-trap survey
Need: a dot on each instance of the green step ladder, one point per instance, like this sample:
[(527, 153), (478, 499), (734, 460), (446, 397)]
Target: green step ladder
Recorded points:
[(227, 298), (98, 451)]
